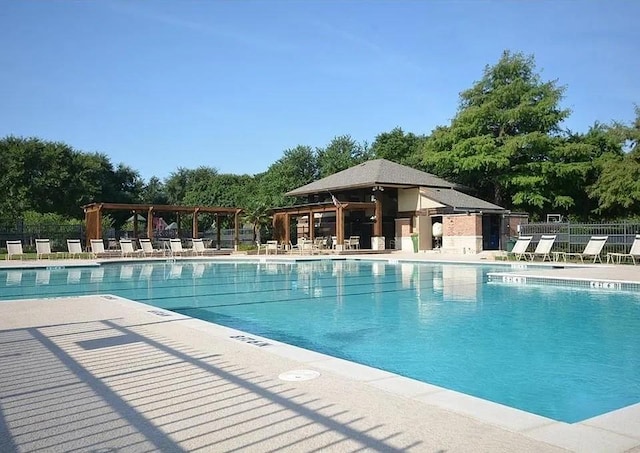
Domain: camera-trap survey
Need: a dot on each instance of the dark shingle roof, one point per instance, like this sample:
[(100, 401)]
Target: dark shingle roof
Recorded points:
[(378, 172), (458, 200)]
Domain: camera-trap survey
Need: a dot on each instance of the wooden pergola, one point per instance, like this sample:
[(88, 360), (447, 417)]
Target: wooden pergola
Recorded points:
[(93, 217), (282, 217)]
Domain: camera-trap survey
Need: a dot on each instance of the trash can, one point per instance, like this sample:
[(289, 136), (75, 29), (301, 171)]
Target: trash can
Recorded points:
[(510, 243), (414, 240)]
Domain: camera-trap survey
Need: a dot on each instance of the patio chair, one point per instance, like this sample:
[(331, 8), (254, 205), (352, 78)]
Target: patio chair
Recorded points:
[(74, 248), (592, 249), (126, 248), (354, 242), (519, 250), (271, 246), (633, 253), (147, 248), (43, 248), (543, 248), (177, 249), (14, 248), (200, 249), (98, 251)]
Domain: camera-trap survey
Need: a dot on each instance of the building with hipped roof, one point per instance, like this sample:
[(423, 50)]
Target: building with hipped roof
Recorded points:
[(387, 205)]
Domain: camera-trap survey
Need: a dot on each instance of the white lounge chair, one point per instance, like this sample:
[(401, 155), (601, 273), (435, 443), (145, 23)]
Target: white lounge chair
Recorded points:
[(126, 248), (43, 249), (592, 249), (14, 248), (98, 251), (177, 249), (200, 249), (519, 250), (543, 248), (147, 248), (74, 248), (633, 253)]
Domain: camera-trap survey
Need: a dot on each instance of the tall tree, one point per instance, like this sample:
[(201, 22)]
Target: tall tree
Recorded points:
[(297, 167), (341, 153), (503, 130), (154, 192), (617, 189), (397, 146)]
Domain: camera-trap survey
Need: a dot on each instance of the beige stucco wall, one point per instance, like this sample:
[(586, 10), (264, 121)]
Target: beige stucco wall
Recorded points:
[(407, 199), (413, 200)]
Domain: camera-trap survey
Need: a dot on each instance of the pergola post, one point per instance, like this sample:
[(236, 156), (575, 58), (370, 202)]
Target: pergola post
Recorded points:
[(311, 226), (218, 229), (150, 224), (287, 228), (194, 226), (135, 224), (93, 221), (236, 239), (340, 228)]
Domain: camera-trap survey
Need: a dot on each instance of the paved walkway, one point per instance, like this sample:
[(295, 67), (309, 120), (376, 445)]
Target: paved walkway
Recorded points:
[(101, 373)]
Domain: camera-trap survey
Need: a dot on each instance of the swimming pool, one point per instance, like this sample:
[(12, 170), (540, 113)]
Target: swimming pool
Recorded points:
[(561, 352)]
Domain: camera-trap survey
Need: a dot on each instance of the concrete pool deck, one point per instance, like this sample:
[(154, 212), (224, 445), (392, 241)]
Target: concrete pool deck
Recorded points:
[(104, 373)]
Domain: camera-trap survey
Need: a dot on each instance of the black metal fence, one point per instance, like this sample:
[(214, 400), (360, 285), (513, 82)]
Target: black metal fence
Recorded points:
[(57, 234), (573, 237)]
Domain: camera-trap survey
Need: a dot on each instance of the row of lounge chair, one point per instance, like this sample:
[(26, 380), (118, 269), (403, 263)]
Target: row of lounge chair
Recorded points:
[(127, 249), (592, 250)]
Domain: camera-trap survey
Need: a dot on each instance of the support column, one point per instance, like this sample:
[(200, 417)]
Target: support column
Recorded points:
[(218, 231), (194, 225), (340, 228), (135, 224), (311, 226), (378, 240), (287, 228), (236, 238), (150, 224)]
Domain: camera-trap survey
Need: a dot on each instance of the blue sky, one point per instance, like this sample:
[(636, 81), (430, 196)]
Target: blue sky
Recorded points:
[(159, 85)]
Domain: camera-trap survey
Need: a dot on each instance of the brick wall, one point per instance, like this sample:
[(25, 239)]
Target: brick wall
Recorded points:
[(462, 225)]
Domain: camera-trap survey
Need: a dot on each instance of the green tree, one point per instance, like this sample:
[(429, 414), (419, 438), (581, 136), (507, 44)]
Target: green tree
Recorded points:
[(617, 189), (257, 214), (341, 153), (297, 167), (154, 192), (504, 129), (397, 146)]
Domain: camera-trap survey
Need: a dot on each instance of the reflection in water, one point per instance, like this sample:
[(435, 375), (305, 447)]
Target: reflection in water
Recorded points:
[(126, 272), (175, 271), (146, 272), (43, 277), (74, 276), (97, 274), (198, 270), (460, 283), (378, 268), (407, 271), (14, 278)]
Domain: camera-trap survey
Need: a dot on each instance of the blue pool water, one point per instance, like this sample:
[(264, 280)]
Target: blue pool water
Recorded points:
[(561, 352)]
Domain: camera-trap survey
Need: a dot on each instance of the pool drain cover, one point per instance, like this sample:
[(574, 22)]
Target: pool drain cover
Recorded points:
[(299, 375)]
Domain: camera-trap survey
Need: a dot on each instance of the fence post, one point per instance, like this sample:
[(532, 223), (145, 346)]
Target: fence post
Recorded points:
[(569, 236)]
